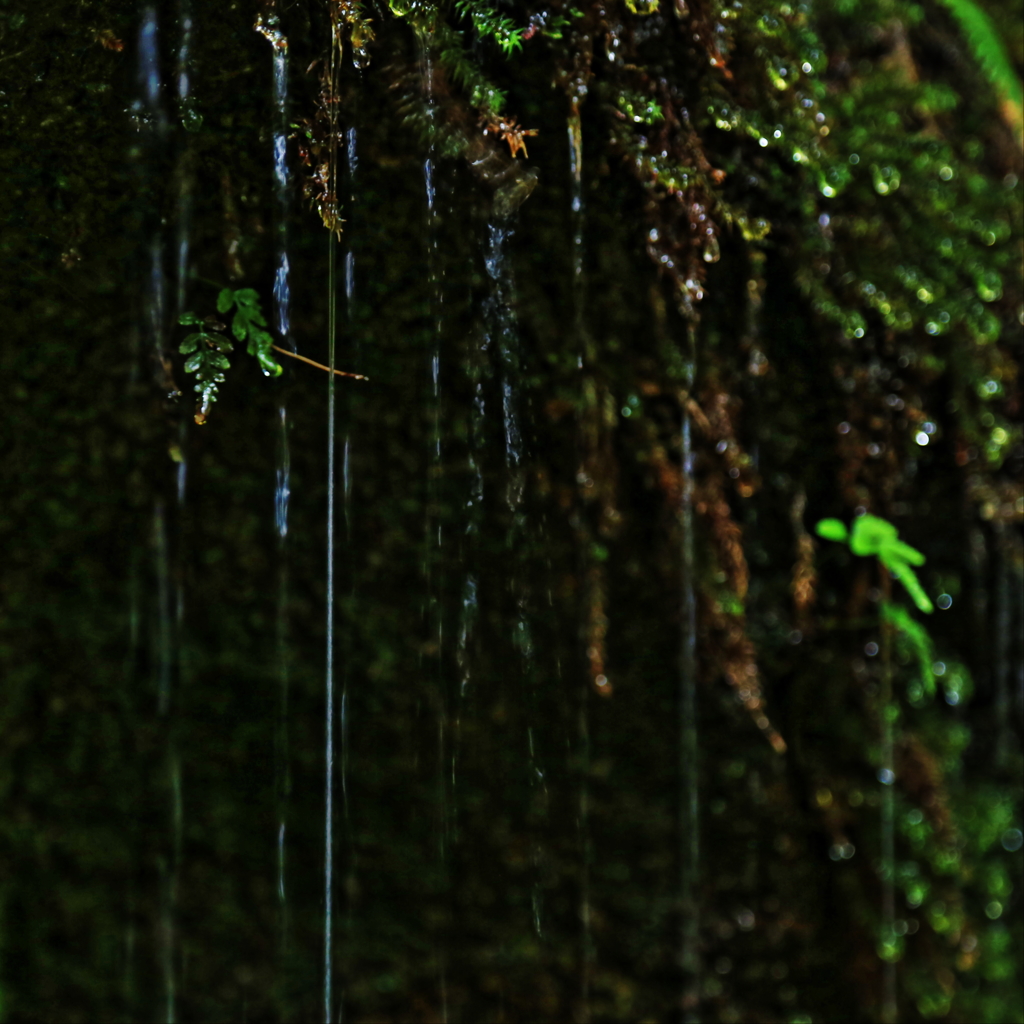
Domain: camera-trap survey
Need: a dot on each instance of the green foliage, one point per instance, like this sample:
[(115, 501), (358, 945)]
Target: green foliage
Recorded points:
[(640, 109), (914, 638), (207, 359), (833, 529), (207, 347), (447, 43), (988, 49), (465, 72), (248, 325), (874, 536), (489, 24)]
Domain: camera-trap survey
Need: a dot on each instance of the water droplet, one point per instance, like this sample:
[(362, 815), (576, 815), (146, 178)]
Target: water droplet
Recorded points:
[(1012, 840)]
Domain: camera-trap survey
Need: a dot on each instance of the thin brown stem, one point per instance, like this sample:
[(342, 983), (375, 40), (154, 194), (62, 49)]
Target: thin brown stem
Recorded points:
[(319, 366)]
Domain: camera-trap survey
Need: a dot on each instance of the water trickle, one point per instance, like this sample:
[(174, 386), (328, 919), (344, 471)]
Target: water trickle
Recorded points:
[(182, 471), (184, 226), (282, 492), (281, 895), (282, 175), (538, 778), (503, 332), (329, 659), (689, 859), (469, 610), (281, 112), (164, 638), (149, 108), (347, 482), (434, 541), (578, 285), (352, 156), (184, 57), (185, 177), (282, 770), (332, 335), (501, 322), (165, 649), (156, 297), (269, 26)]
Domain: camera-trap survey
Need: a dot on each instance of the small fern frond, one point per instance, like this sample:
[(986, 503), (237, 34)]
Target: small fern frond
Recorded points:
[(983, 39)]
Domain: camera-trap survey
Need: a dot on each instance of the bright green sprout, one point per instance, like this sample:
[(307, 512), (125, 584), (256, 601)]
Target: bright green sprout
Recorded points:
[(874, 536)]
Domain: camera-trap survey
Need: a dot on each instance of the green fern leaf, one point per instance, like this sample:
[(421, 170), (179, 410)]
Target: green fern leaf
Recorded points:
[(983, 38)]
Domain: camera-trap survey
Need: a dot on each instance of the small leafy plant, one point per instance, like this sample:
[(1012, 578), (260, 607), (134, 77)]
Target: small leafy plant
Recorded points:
[(207, 347), (489, 22), (873, 536)]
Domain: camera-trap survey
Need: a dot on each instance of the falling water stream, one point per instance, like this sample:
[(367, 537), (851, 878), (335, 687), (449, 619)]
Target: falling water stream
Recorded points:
[(503, 335), (345, 725), (329, 659), (269, 27), (576, 218), (434, 546), (151, 121), (185, 172), (689, 952)]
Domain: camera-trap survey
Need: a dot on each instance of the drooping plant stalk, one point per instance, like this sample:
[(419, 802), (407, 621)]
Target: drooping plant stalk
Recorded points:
[(871, 535), (889, 943)]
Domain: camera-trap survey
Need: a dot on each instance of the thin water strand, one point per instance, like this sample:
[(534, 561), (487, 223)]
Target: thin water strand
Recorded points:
[(165, 628), (167, 860), (282, 178), (283, 473), (268, 25), (434, 529), (148, 108), (282, 494), (185, 178), (502, 324), (185, 182), (329, 675), (689, 953), (583, 716)]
